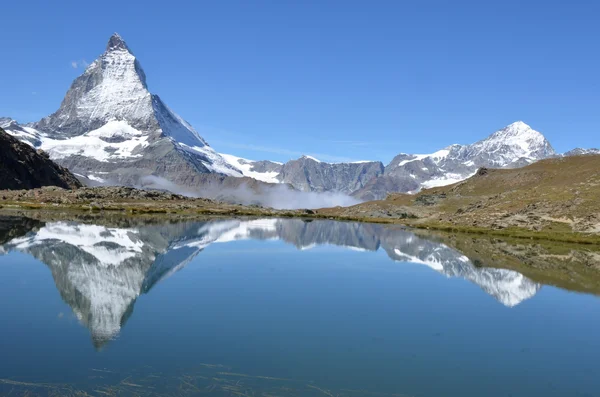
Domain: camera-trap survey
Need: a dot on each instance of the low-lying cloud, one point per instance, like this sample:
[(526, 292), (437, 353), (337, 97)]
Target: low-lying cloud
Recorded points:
[(273, 196)]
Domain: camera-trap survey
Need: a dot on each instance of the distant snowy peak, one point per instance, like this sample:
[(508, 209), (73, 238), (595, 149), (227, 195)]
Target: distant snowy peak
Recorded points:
[(580, 152), (512, 143), (516, 141), (515, 145)]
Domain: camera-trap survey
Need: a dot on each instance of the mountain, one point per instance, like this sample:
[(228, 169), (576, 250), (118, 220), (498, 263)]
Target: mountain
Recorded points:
[(513, 146), (580, 152), (310, 174), (263, 170), (22, 167), (111, 129), (22, 133), (556, 197)]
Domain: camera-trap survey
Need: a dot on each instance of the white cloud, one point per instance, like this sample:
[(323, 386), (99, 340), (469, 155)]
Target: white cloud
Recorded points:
[(79, 64)]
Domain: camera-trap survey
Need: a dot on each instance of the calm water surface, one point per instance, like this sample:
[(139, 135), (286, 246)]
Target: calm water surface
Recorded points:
[(279, 308)]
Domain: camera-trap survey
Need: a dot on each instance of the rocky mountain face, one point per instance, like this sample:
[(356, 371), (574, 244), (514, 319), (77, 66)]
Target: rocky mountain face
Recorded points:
[(111, 129), (262, 170), (513, 146), (22, 167), (310, 174), (379, 187)]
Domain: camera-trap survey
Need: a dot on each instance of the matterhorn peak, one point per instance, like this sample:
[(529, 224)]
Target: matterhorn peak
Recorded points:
[(116, 42), (109, 125)]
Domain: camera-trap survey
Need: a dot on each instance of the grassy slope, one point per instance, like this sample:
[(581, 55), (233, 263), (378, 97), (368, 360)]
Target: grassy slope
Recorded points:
[(553, 197), (570, 266)]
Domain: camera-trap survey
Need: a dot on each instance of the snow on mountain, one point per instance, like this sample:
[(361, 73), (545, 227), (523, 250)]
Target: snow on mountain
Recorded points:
[(516, 145), (29, 135), (111, 128), (505, 147), (114, 140), (109, 122), (264, 170)]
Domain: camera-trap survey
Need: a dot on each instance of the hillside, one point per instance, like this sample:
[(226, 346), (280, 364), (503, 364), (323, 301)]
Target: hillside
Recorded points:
[(22, 167), (553, 195)]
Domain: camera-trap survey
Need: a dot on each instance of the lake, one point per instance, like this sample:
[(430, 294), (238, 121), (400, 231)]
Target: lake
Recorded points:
[(269, 307)]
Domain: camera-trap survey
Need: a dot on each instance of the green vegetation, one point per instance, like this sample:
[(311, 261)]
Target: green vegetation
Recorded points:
[(571, 266), (516, 232)]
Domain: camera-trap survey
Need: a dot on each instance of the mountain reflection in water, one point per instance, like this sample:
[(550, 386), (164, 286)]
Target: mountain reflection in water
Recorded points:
[(100, 271)]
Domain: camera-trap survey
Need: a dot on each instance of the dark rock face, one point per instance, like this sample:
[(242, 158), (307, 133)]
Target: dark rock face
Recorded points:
[(308, 174), (482, 171), (266, 166), (22, 167)]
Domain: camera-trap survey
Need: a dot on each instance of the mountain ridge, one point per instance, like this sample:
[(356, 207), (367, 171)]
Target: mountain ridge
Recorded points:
[(110, 129)]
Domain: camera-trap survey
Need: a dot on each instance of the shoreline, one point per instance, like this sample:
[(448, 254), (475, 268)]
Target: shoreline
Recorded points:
[(215, 209)]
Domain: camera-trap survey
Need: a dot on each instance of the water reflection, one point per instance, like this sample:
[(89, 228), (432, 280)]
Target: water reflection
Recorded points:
[(101, 270)]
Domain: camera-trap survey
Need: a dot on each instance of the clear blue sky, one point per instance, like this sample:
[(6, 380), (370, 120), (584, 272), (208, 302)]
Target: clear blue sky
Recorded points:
[(336, 79)]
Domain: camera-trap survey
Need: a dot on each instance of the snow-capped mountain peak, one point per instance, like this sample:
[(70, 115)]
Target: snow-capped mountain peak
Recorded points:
[(116, 42), (581, 151), (519, 135), (516, 144), (111, 129), (113, 87)]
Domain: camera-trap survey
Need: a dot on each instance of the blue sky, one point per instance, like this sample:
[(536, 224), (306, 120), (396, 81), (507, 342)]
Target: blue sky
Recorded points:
[(336, 79)]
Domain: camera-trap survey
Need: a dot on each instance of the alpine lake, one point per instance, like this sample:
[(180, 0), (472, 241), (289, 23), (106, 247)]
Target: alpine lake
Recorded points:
[(291, 307)]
